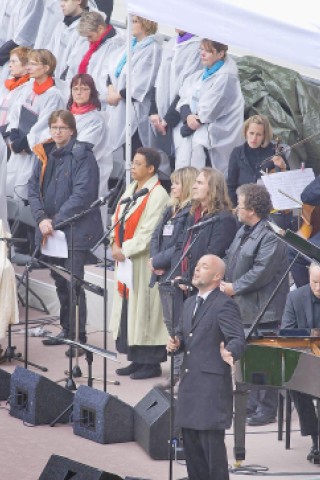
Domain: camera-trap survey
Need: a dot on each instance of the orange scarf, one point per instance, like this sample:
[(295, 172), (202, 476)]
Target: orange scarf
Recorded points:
[(12, 83), (42, 156), (131, 224), (39, 89)]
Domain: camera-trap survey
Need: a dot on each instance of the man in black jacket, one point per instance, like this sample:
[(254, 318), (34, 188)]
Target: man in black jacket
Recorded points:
[(64, 183), (211, 336)]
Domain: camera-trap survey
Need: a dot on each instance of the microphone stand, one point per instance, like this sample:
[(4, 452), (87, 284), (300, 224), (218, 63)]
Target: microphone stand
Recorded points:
[(105, 240)]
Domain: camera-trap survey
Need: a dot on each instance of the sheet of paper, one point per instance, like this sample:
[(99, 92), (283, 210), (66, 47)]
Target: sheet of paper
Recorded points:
[(292, 182), (125, 273), (56, 245)]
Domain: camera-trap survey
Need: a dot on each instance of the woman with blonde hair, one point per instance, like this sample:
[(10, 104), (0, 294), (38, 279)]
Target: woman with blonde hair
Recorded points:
[(162, 246), (257, 154)]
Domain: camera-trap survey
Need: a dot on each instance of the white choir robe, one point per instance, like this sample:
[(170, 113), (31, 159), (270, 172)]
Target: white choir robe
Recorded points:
[(20, 165), (51, 16), (98, 66), (145, 65), (3, 179), (9, 100), (221, 112), (5, 11)]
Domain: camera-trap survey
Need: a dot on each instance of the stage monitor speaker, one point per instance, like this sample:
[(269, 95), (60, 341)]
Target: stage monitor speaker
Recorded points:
[(62, 468), (101, 417), (152, 424), (36, 399), (4, 385)]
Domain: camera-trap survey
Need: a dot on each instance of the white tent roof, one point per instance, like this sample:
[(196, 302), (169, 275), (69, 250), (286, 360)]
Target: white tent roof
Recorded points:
[(282, 29)]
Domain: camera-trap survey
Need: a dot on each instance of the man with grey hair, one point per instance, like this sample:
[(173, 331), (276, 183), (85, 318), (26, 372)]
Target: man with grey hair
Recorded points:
[(103, 40), (211, 336), (302, 310), (256, 262)]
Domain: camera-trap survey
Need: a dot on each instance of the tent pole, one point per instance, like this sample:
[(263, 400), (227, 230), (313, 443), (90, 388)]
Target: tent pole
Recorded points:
[(128, 99)]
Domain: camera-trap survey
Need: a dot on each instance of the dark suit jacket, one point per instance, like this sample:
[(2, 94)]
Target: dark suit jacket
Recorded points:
[(205, 391), (298, 311)]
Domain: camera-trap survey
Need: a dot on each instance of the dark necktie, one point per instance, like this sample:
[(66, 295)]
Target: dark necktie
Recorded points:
[(199, 302)]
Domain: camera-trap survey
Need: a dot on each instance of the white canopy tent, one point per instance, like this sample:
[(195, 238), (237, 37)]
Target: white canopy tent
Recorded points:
[(288, 33)]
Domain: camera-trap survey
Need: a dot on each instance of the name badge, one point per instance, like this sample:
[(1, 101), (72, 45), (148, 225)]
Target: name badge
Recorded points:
[(168, 230)]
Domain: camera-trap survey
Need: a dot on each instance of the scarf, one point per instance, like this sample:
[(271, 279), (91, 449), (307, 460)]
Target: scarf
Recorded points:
[(135, 45), (131, 224), (39, 89), (68, 19), (93, 48), (210, 71), (81, 109), (183, 38), (12, 83), (43, 158)]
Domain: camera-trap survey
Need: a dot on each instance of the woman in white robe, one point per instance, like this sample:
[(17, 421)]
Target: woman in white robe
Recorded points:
[(211, 107), (84, 103), (40, 98), (146, 56), (102, 40)]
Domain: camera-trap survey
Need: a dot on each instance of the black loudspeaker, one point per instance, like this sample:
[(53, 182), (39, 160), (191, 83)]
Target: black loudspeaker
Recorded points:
[(4, 385), (152, 424), (36, 399), (101, 417), (61, 468)]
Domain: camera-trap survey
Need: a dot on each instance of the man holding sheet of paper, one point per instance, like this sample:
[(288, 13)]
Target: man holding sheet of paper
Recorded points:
[(65, 182)]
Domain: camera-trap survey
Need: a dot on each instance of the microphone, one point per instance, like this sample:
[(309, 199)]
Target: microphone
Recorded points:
[(103, 200), (177, 281), (202, 224), (134, 197)]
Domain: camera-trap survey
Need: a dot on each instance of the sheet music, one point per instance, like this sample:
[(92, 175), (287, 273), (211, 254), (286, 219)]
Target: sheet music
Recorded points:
[(292, 182), (125, 273), (56, 245)]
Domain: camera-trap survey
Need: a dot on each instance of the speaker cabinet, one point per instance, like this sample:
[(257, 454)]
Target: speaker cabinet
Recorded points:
[(152, 424), (62, 468), (101, 417), (36, 399), (4, 385)]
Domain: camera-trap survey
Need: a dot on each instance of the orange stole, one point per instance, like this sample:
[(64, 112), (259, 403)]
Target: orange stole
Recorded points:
[(131, 224)]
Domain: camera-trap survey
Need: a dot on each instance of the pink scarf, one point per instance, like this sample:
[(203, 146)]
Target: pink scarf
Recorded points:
[(81, 109)]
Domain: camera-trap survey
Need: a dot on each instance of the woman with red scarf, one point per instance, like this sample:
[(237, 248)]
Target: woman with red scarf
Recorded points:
[(103, 40), (28, 121), (85, 105), (13, 87)]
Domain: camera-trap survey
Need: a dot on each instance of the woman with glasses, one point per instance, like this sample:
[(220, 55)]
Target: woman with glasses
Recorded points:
[(211, 110), (28, 120), (146, 55), (64, 182), (85, 105)]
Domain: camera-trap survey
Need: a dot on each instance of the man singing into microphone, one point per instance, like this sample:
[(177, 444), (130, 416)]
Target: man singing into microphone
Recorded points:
[(136, 319)]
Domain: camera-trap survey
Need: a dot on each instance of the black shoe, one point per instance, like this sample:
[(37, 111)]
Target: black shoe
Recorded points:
[(147, 371), (259, 420), (133, 367), (57, 340), (314, 455), (73, 351)]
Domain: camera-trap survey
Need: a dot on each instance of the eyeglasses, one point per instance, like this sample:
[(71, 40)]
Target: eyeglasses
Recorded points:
[(59, 129), (34, 64), (138, 165), (80, 89)]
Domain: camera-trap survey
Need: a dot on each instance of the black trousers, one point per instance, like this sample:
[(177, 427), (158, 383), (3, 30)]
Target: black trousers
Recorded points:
[(206, 455), (63, 292), (306, 412)]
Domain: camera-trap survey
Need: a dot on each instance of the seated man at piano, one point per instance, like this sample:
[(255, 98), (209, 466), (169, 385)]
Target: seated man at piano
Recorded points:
[(302, 310), (256, 262)]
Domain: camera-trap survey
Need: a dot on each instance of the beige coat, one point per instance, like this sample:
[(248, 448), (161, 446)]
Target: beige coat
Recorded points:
[(8, 296), (145, 320)]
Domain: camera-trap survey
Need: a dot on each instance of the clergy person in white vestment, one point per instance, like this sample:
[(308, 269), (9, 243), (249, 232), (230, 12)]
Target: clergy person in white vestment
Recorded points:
[(211, 108), (136, 320)]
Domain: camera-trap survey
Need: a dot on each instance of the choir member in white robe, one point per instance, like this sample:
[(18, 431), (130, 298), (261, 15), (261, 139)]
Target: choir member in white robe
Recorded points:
[(146, 56), (180, 58), (52, 15), (211, 107), (40, 97), (84, 103), (3, 178), (103, 41), (25, 17)]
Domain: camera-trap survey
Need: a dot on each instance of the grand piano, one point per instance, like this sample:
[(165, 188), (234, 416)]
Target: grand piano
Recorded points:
[(282, 362)]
